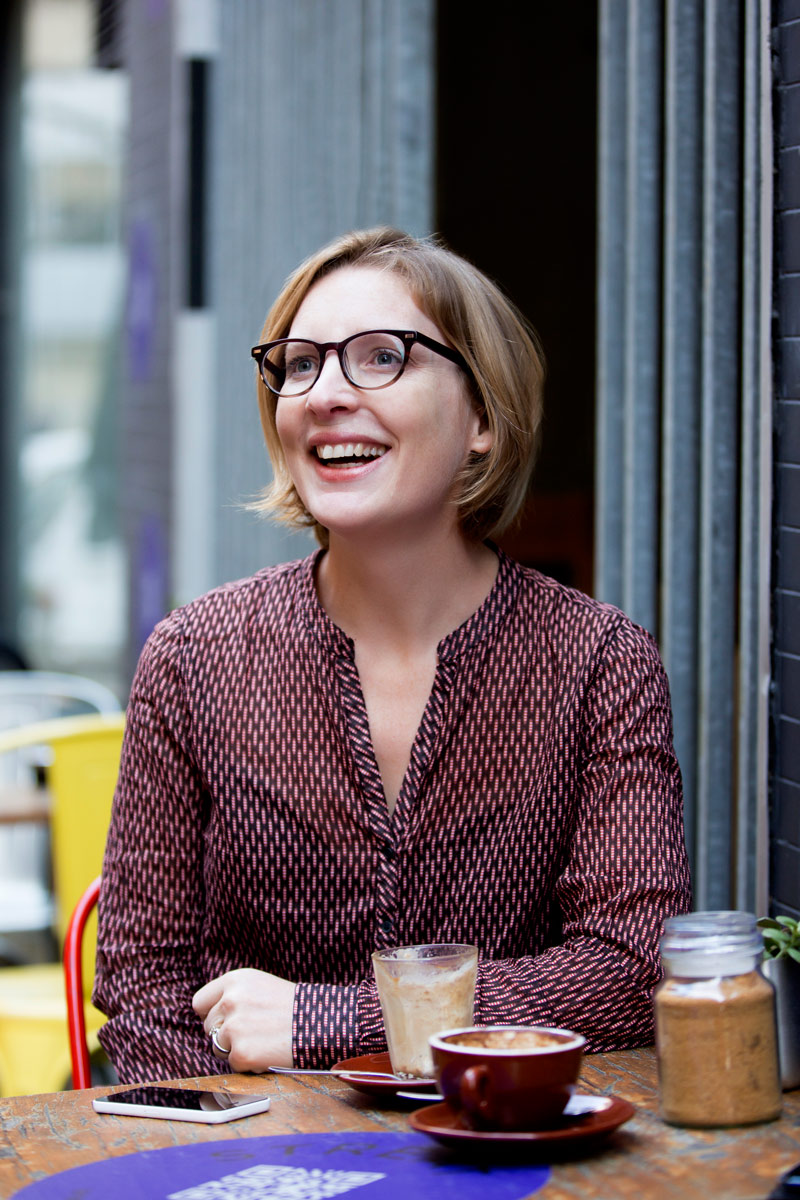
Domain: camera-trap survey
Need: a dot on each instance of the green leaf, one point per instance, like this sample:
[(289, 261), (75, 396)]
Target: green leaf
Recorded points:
[(767, 923), (789, 922), (795, 954)]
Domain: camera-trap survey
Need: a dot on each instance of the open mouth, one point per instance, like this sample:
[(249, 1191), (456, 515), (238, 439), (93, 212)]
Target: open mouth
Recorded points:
[(348, 454)]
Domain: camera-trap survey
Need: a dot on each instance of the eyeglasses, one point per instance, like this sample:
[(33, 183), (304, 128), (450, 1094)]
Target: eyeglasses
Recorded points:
[(371, 360)]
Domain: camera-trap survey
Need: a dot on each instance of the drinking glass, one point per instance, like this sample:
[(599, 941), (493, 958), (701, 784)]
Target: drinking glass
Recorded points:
[(423, 990)]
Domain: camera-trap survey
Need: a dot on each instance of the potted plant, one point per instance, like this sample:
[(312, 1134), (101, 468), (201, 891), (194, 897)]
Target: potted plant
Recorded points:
[(782, 966)]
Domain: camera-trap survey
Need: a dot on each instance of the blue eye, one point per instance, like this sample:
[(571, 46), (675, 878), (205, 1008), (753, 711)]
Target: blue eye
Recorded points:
[(300, 363), (373, 359), (387, 358), (299, 366)]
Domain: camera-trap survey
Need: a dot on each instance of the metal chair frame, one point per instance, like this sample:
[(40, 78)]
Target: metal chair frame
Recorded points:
[(73, 983), (55, 685)]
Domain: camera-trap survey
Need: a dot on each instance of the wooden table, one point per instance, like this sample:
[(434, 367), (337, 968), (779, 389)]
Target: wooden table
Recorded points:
[(41, 1135)]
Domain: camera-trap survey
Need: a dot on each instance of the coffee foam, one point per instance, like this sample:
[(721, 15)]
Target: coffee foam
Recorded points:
[(511, 1039)]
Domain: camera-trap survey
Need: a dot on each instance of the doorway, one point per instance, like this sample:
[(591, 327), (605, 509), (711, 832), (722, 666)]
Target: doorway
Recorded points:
[(515, 194)]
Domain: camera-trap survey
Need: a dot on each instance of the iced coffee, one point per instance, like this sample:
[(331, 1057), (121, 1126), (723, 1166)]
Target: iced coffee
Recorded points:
[(423, 990)]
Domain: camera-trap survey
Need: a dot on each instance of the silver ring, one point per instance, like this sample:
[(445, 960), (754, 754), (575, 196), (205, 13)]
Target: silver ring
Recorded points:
[(218, 1051)]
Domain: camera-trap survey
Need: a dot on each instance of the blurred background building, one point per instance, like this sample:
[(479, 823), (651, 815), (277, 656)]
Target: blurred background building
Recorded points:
[(628, 171)]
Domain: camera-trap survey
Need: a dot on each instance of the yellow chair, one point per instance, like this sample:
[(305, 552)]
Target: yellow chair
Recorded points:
[(34, 1049), (26, 902)]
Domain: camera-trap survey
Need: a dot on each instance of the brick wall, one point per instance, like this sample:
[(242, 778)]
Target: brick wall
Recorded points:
[(785, 789)]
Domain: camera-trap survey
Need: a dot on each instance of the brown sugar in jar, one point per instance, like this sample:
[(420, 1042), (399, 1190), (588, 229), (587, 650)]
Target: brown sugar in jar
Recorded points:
[(715, 1024)]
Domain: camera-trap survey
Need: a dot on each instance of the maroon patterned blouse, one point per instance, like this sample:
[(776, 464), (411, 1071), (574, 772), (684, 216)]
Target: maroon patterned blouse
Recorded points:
[(540, 819)]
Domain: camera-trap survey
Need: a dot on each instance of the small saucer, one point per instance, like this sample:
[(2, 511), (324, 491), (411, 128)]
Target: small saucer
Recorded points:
[(379, 1087), (599, 1115)]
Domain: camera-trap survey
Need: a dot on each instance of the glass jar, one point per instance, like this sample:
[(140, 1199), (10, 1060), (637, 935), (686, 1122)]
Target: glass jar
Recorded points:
[(715, 1023)]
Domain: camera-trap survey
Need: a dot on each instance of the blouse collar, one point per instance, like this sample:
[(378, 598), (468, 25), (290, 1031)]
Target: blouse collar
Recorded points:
[(477, 627)]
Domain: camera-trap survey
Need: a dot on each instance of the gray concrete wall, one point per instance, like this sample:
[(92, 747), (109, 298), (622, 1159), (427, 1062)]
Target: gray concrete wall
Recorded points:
[(323, 123)]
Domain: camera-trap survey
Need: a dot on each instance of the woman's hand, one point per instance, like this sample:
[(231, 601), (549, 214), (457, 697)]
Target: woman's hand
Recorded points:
[(252, 1011)]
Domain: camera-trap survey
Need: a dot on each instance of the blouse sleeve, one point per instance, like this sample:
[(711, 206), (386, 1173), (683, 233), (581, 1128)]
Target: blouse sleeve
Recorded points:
[(625, 870), (152, 894)]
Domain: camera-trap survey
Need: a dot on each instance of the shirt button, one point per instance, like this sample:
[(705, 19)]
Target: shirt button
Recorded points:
[(387, 925)]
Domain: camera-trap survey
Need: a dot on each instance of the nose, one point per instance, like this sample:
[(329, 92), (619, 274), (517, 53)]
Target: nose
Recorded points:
[(332, 390)]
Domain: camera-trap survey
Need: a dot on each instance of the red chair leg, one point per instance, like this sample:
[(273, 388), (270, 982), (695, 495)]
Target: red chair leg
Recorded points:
[(73, 981)]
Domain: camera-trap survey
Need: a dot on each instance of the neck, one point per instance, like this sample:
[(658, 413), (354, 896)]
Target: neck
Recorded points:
[(409, 594)]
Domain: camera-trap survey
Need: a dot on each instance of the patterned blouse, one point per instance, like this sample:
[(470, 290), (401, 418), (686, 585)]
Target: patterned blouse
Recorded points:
[(540, 819)]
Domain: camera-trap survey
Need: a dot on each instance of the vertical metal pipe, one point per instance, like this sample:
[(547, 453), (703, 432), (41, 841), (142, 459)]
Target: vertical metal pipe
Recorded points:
[(681, 380), (719, 451), (612, 225), (751, 890), (642, 313)]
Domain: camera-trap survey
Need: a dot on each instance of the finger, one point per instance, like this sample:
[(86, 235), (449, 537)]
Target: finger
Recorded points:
[(207, 996), (221, 1044), (214, 1019)]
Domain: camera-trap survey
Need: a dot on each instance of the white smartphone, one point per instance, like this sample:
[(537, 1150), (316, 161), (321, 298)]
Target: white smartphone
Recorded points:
[(181, 1104)]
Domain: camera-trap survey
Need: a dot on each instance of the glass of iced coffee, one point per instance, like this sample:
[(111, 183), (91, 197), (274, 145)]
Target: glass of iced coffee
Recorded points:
[(423, 990)]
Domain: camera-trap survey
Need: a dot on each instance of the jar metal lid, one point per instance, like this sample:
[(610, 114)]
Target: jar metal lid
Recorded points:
[(711, 943)]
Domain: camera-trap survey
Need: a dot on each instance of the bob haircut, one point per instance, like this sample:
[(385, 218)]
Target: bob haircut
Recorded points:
[(501, 348)]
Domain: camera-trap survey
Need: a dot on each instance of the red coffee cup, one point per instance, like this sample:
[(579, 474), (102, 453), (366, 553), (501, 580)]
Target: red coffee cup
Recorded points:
[(515, 1077)]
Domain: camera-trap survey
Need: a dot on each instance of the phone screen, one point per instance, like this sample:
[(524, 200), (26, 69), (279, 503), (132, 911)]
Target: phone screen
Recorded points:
[(181, 1104), (184, 1098)]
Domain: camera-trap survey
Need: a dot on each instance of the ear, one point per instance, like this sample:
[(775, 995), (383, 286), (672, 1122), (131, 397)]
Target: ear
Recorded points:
[(481, 436)]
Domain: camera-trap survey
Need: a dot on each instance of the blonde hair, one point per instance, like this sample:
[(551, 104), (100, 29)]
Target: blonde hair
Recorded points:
[(499, 345)]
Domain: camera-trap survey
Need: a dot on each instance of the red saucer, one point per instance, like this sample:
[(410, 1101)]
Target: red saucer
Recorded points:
[(379, 1087), (601, 1115)]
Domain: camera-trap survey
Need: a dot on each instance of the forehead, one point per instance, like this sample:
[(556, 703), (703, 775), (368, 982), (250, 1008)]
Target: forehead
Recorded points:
[(352, 299)]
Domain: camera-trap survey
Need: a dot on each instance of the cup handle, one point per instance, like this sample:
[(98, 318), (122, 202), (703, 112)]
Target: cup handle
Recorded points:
[(474, 1089)]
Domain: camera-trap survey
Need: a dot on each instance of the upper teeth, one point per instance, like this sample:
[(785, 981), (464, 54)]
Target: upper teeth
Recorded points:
[(350, 450)]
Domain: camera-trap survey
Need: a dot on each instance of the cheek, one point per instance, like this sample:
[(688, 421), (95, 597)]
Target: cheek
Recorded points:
[(286, 426), (443, 453), (463, 427)]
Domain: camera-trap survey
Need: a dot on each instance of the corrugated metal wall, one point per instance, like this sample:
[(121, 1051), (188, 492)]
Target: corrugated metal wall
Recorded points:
[(684, 422)]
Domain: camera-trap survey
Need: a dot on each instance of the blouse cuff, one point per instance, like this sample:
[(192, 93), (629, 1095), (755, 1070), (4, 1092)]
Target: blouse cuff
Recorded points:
[(324, 1024)]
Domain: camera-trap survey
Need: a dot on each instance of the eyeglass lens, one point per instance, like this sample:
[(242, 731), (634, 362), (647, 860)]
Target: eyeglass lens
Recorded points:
[(370, 360)]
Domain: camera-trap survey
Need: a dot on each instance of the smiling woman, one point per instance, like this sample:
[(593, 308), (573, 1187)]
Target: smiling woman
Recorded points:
[(470, 322), (406, 737), (401, 396)]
